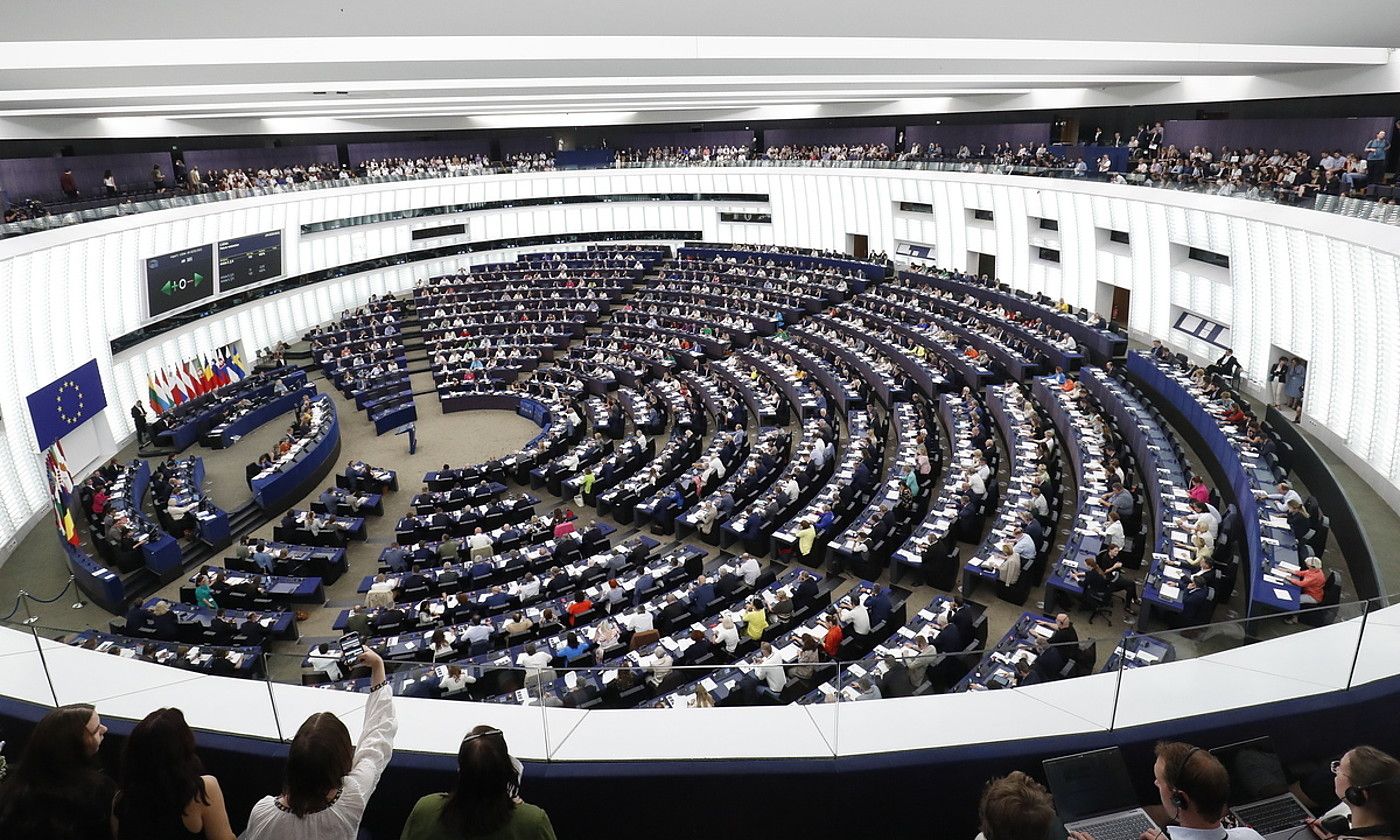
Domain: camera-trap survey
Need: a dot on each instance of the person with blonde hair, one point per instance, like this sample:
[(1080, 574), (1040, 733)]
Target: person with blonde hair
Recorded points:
[(701, 699)]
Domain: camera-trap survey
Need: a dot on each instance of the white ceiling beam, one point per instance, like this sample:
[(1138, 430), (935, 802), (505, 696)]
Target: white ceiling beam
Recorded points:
[(176, 53)]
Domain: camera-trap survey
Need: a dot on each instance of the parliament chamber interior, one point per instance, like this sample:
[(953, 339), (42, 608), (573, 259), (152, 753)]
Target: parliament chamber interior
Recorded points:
[(565, 424)]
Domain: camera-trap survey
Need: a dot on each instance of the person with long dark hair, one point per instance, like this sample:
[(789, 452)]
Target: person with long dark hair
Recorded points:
[(485, 803), (164, 792), (58, 791), (329, 780)]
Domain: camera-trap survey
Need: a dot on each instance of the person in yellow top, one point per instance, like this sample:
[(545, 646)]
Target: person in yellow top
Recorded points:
[(806, 537), (755, 620)]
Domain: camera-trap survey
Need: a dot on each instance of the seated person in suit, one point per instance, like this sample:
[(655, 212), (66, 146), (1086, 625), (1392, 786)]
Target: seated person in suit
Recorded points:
[(412, 580), (805, 590), (593, 534), (448, 575), (753, 527), (964, 616), (395, 557), (1195, 602), (897, 680), (699, 648), (864, 689), (221, 665), (249, 588), (701, 596), (878, 604), (358, 621), (165, 624), (1064, 630), (674, 612), (252, 630), (918, 656), (222, 628), (641, 591), (1298, 520), (388, 620), (950, 638), (1049, 661), (498, 598), (136, 617)]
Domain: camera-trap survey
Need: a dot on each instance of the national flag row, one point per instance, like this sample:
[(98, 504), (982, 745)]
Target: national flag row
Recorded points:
[(168, 387), (61, 493)]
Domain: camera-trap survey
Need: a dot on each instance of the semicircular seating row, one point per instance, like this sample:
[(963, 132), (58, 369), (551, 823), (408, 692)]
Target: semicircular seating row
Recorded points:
[(789, 405)]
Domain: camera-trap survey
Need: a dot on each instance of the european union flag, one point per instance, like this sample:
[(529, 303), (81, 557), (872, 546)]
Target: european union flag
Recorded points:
[(66, 403)]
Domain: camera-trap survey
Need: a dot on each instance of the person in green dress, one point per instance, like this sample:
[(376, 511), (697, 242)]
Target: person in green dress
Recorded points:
[(485, 802), (204, 593)]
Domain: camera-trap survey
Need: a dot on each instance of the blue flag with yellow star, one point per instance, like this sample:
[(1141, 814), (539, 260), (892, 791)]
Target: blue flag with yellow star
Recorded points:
[(66, 403)]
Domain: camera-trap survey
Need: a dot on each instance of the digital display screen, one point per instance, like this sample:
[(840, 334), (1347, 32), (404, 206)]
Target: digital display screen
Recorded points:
[(249, 259), (178, 279)]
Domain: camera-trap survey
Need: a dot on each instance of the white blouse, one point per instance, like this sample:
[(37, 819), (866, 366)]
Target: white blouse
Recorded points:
[(341, 819)]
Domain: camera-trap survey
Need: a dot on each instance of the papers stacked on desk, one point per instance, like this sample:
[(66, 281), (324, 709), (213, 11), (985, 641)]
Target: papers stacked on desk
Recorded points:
[(1171, 592)]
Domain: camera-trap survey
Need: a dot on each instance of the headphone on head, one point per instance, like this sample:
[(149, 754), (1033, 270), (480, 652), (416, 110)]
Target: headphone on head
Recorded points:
[(1179, 800), (1357, 794)]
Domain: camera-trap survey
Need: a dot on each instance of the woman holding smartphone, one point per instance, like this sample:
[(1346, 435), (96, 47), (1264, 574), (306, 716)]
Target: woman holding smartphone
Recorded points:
[(329, 781)]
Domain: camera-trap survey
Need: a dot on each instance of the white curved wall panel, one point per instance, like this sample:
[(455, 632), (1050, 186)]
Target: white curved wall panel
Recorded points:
[(1320, 286)]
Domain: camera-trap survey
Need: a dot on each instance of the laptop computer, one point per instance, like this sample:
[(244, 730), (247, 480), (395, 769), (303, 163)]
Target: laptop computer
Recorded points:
[(1257, 779), (1093, 794)]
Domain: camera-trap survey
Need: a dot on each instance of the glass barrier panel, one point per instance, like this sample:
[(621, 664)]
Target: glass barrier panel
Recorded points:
[(129, 678), (1243, 662), (1378, 655), (986, 693), (653, 708), (433, 700), (22, 672)]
